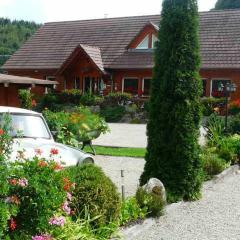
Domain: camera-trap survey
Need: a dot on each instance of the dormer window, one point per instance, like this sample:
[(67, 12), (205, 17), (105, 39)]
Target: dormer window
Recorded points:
[(148, 42), (144, 44)]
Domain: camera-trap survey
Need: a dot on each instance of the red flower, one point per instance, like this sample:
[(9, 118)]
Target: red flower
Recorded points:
[(58, 166), (54, 151), (67, 184), (13, 181), (1, 131), (42, 164), (13, 224)]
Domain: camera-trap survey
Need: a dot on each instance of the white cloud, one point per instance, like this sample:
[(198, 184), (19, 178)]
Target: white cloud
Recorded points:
[(4, 3)]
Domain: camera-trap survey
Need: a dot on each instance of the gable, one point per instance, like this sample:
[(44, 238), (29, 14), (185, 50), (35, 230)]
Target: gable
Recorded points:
[(144, 38)]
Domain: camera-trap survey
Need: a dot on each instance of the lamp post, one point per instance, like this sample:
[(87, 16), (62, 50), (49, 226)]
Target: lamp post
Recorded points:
[(227, 89)]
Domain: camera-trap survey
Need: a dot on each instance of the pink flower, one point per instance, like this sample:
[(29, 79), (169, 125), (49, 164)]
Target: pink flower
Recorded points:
[(42, 237), (66, 208), (69, 196), (23, 182), (38, 151), (58, 221)]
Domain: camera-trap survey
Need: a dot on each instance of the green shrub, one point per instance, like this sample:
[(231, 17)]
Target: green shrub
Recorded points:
[(212, 163), (26, 98), (210, 104), (75, 126), (72, 96), (115, 99), (50, 101), (153, 203), (234, 125), (234, 107), (91, 100), (131, 211), (94, 193), (113, 114)]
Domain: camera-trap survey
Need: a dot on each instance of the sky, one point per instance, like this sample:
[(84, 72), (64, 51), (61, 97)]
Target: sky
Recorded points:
[(42, 11)]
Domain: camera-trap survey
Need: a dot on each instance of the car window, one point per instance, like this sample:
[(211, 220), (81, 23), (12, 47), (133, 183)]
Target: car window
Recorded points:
[(28, 126)]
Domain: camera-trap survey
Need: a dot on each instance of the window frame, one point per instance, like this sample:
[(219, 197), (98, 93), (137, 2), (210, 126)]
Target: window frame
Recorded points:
[(123, 83), (143, 48), (218, 79), (143, 81)]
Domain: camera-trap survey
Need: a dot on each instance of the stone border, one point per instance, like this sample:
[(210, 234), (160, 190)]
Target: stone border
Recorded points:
[(131, 232)]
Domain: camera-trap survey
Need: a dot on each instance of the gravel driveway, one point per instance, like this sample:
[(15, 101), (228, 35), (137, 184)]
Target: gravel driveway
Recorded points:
[(215, 217), (112, 166)]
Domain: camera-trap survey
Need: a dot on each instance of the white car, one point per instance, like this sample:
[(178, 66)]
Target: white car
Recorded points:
[(36, 137)]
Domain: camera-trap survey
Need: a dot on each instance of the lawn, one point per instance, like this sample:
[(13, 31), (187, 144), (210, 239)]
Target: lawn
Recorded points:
[(116, 151)]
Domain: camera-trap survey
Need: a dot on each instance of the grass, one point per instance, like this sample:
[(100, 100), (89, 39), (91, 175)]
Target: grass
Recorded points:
[(116, 151)]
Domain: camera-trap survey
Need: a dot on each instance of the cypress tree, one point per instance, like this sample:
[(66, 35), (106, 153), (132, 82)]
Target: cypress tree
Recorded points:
[(173, 128), (227, 4)]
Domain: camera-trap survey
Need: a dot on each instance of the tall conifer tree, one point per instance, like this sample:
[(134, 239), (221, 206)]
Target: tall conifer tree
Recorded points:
[(227, 4), (173, 128)]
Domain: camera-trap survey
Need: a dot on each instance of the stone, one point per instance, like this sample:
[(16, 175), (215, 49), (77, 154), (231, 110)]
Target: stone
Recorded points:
[(155, 186)]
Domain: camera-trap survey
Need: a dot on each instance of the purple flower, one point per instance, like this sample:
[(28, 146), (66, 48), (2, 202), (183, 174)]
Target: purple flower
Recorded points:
[(58, 221), (42, 237), (23, 182), (66, 208)]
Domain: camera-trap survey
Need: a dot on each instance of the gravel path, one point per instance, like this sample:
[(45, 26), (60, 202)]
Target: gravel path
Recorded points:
[(215, 217), (112, 166)]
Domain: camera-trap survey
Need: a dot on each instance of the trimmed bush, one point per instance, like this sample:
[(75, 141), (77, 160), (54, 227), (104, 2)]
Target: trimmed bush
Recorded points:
[(151, 202), (94, 194), (26, 98), (175, 110), (113, 114), (119, 98), (72, 96)]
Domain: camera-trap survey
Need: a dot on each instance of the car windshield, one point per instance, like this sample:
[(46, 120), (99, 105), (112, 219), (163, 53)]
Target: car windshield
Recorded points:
[(27, 126)]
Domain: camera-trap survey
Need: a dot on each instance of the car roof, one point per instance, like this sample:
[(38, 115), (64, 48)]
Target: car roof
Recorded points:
[(4, 109)]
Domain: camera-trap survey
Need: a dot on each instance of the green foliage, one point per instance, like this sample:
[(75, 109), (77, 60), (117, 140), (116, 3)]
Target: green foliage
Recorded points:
[(215, 126), (227, 4), (115, 99), (72, 96), (173, 128), (131, 211), (213, 164), (113, 114), (90, 100), (234, 125), (12, 35), (77, 126), (209, 105), (94, 193), (153, 203), (26, 98)]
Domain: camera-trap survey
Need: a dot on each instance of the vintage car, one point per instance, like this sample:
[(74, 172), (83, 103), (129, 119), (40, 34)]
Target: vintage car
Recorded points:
[(31, 135)]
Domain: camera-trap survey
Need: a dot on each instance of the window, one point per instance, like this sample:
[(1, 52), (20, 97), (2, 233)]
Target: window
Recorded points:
[(146, 86), (215, 86), (130, 85), (77, 83), (154, 40), (204, 82), (144, 43)]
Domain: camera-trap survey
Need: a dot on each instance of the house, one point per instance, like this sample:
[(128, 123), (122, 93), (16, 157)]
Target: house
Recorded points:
[(116, 54), (9, 86)]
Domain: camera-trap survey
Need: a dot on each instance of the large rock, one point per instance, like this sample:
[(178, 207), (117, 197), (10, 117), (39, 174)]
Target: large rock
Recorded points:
[(155, 186)]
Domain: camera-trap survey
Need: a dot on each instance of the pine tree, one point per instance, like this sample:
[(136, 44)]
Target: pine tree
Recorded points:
[(227, 4), (173, 128)]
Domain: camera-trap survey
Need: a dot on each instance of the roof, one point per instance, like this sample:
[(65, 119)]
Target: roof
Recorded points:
[(53, 43), (4, 109), (4, 78)]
